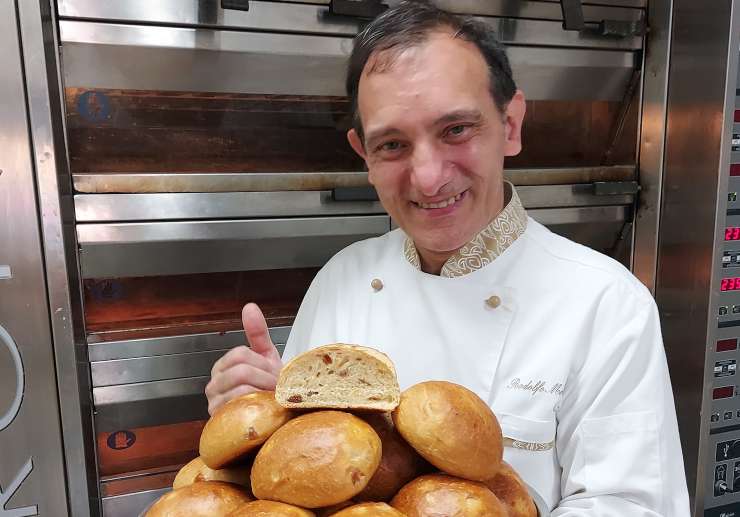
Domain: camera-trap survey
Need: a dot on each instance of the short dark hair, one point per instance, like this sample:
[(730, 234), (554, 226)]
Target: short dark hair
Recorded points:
[(408, 24)]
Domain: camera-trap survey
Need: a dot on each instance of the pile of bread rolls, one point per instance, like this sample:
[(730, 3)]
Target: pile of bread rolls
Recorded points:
[(338, 438)]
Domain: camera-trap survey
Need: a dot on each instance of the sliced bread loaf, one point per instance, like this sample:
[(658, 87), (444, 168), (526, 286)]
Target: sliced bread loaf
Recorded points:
[(339, 376)]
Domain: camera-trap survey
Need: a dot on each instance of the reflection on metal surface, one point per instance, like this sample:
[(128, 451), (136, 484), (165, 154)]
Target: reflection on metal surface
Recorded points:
[(144, 369), (30, 426), (525, 28), (309, 17), (565, 216), (129, 505), (151, 58), (176, 344), (12, 488), (162, 207), (42, 72), (150, 403), (264, 182), (214, 182), (143, 249), (183, 206), (652, 142), (690, 244), (20, 381)]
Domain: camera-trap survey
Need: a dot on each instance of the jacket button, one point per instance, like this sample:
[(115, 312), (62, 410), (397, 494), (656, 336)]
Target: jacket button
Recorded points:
[(493, 302), (376, 284)]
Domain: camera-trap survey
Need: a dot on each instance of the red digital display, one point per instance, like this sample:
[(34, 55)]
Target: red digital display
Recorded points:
[(735, 169), (725, 345), (730, 284), (737, 115), (723, 393), (732, 233)]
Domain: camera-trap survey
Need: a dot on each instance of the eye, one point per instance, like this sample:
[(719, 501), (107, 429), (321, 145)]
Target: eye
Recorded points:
[(456, 130), (390, 146)]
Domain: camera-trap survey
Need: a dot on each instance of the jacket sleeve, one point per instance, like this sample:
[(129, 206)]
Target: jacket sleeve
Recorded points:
[(617, 440)]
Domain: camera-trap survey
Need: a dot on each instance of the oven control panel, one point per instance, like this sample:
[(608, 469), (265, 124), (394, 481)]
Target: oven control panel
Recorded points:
[(722, 488)]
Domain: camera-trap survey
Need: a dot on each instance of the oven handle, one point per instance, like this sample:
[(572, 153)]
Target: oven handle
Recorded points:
[(236, 5), (354, 194)]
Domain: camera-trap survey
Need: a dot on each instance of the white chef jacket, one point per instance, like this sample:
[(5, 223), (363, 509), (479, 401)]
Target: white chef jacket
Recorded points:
[(562, 342)]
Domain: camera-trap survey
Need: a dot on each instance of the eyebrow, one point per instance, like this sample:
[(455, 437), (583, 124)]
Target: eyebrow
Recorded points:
[(378, 134), (473, 115), (453, 116)]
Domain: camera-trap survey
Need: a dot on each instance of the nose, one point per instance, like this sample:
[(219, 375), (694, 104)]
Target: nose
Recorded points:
[(428, 171)]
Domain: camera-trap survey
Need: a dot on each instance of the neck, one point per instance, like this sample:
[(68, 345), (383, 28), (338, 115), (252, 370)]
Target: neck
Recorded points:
[(432, 261)]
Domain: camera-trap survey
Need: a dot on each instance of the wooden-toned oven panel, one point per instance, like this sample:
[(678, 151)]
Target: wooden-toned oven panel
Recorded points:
[(142, 131), (131, 308), (158, 131), (132, 450), (558, 133)]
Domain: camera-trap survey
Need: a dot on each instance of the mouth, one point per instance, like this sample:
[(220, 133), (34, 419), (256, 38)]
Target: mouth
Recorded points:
[(445, 203)]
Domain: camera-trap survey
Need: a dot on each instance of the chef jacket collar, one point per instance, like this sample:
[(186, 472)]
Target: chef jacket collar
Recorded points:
[(491, 242)]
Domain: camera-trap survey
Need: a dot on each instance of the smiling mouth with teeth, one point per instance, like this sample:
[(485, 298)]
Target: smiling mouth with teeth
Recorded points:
[(442, 204)]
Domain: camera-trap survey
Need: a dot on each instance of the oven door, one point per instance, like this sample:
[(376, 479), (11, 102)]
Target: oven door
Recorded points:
[(211, 168)]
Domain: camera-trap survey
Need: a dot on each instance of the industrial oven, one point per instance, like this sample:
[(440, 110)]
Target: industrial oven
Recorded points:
[(163, 163)]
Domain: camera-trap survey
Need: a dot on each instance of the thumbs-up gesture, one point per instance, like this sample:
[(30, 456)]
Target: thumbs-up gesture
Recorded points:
[(244, 369)]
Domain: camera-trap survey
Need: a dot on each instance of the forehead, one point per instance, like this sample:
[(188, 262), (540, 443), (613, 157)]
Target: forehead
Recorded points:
[(442, 73)]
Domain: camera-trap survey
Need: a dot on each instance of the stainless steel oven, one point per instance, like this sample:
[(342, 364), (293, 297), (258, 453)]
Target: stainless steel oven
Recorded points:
[(198, 161)]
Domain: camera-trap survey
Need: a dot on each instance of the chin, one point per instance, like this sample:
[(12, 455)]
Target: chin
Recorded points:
[(440, 244)]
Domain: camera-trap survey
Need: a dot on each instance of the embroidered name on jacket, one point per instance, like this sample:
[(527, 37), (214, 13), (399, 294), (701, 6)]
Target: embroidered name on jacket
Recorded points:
[(536, 387)]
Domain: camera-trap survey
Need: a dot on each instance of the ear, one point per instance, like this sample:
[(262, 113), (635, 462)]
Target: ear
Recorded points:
[(356, 143), (513, 119)]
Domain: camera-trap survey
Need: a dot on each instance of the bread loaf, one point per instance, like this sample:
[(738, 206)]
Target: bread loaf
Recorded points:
[(369, 510), (318, 459), (240, 426), (331, 510), (201, 499), (511, 490), (437, 495), (339, 377), (269, 509), (196, 470), (452, 428), (399, 462)]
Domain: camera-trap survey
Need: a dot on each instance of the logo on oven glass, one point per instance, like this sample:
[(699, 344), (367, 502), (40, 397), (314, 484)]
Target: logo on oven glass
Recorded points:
[(93, 106), (121, 440)]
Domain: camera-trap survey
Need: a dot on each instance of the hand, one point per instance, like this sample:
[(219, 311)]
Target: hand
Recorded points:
[(244, 369)]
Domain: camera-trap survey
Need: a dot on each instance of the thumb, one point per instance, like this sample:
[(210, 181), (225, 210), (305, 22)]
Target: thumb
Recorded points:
[(258, 337)]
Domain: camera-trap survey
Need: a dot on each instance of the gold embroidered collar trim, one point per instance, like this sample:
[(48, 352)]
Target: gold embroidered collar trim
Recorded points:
[(483, 249)]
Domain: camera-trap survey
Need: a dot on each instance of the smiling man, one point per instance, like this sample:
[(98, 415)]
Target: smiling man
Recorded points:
[(561, 341)]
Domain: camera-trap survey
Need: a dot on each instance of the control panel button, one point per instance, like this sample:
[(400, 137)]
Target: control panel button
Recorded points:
[(723, 311), (715, 417), (725, 368), (720, 480), (728, 415)]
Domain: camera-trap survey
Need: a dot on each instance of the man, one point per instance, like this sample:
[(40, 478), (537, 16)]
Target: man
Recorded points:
[(561, 341)]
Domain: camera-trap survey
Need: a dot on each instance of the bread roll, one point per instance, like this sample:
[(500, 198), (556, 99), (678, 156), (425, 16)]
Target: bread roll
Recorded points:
[(369, 510), (399, 463), (331, 510), (339, 377), (269, 509), (196, 470), (511, 490), (452, 428), (239, 426), (316, 460), (201, 499), (437, 495)]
